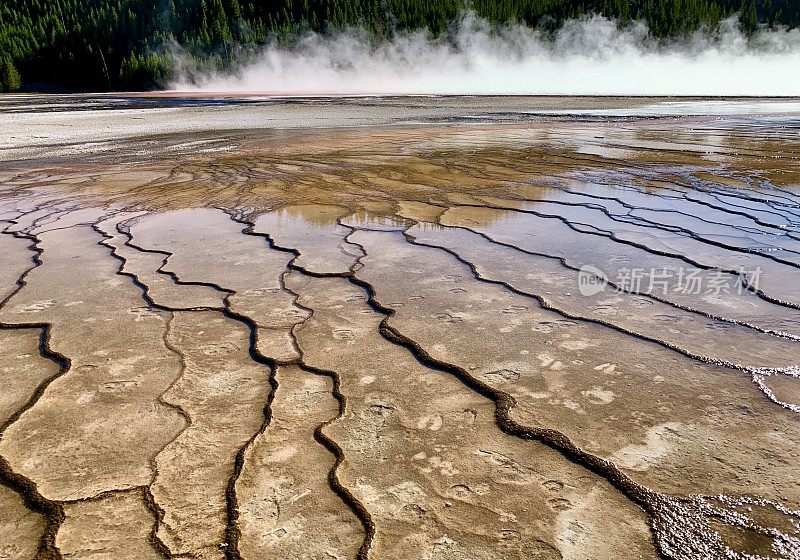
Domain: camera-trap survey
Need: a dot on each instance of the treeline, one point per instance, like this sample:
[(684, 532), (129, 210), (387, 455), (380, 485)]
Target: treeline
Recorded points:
[(121, 44)]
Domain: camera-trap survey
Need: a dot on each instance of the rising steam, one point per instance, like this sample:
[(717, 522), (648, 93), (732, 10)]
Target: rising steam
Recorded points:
[(590, 56)]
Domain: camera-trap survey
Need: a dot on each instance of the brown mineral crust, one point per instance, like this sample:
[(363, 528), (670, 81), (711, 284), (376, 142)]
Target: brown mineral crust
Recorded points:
[(200, 358), (20, 528), (667, 420), (424, 456), (110, 392), (117, 525), (222, 393), (287, 510), (206, 246)]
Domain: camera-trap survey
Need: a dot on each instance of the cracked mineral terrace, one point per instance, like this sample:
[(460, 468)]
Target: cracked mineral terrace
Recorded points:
[(399, 328)]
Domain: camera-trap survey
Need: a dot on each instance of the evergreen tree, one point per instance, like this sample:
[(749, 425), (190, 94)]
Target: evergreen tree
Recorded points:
[(9, 77), (748, 19)]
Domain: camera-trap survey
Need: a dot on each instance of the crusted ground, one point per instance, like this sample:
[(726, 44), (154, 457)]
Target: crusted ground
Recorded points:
[(557, 340)]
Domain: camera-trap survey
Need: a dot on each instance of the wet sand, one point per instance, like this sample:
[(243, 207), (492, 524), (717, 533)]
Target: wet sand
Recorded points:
[(412, 328)]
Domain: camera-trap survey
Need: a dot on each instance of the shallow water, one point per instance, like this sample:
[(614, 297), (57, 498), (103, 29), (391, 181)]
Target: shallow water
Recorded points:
[(400, 327)]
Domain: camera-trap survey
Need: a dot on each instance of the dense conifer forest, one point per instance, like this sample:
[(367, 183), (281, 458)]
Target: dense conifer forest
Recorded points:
[(122, 44)]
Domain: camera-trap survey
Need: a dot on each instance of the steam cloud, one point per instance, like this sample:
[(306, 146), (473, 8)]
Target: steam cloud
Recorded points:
[(590, 56)]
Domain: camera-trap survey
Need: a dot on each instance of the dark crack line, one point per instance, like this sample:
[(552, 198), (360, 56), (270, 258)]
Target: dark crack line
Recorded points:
[(174, 277), (546, 305), (660, 173), (788, 206), (52, 219), (145, 289), (564, 263), (344, 493), (232, 530), (641, 221), (697, 185), (649, 224), (781, 232), (64, 364), (789, 216), (659, 507), (26, 231), (645, 498), (103, 495), (52, 511), (155, 509), (152, 505), (613, 237), (654, 504), (729, 208)]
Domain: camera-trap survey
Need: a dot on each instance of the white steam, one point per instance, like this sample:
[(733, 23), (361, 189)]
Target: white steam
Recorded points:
[(590, 56)]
